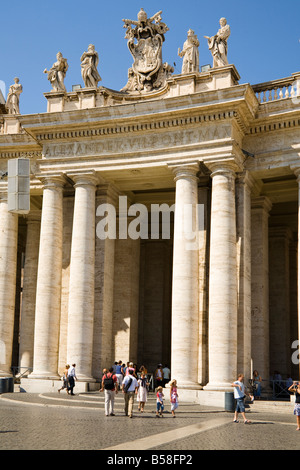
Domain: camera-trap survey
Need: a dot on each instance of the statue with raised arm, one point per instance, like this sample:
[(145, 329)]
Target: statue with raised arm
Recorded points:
[(89, 62), (218, 44), (145, 38), (57, 73), (190, 53), (13, 97)]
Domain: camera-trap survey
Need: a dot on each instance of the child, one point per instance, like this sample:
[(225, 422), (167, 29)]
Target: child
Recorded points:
[(159, 402), (173, 396)]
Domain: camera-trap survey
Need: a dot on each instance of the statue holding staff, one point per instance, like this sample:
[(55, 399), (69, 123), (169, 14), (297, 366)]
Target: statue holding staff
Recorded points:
[(218, 44), (57, 73)]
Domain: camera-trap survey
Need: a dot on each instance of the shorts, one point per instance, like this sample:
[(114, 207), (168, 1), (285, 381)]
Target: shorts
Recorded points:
[(297, 409), (240, 406), (159, 406)]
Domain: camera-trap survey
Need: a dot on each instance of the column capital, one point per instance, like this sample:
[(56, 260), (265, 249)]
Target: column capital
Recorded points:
[(185, 170), (296, 171), (53, 180), (245, 178), (84, 178), (222, 168), (33, 216), (261, 202)]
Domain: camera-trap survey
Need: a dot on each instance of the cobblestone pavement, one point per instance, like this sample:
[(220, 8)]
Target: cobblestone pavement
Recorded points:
[(62, 422)]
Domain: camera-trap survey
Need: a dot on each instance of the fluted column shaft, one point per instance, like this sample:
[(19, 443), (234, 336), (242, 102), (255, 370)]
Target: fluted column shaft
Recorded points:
[(185, 301), (29, 291), (48, 295), (82, 272), (222, 282), (8, 267)]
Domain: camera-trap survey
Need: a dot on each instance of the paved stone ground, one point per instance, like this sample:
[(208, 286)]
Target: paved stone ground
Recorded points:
[(61, 422)]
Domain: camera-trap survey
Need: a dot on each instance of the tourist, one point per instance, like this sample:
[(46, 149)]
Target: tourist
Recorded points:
[(159, 402), (239, 395), (158, 376), (120, 374), (129, 388), (256, 384), (71, 379), (130, 368), (110, 387), (295, 388), (166, 375), (65, 380), (142, 392), (173, 396)]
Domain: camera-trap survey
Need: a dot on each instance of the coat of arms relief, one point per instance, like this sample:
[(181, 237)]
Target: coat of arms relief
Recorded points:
[(145, 38)]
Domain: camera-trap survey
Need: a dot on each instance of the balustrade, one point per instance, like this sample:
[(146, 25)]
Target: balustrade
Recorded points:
[(277, 90)]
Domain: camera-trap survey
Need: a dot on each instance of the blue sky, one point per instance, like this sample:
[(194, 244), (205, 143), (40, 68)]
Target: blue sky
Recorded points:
[(264, 43)]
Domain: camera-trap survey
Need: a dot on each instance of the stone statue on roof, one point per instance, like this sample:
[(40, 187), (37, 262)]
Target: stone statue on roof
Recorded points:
[(190, 53), (57, 73), (13, 97), (217, 44), (145, 38), (89, 62)]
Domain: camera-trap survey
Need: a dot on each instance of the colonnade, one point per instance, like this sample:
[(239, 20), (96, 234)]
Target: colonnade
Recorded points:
[(237, 285)]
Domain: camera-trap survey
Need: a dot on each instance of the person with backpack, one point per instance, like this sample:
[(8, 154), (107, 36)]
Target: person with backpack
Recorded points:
[(110, 387)]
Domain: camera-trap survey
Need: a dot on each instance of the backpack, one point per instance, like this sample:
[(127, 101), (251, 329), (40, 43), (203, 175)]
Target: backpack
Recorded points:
[(109, 383)]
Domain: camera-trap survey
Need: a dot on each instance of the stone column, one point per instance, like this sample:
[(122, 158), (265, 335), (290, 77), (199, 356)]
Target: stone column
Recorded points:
[(82, 272), (48, 294), (8, 267), (297, 172), (185, 299), (280, 344), (244, 184), (222, 281), (29, 291), (204, 202), (260, 285), (104, 282)]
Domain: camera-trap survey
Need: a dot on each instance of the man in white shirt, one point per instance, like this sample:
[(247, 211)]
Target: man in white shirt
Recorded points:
[(239, 395), (129, 388), (71, 379)]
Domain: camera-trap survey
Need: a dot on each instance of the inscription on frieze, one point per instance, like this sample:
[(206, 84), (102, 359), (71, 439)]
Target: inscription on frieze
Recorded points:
[(142, 143)]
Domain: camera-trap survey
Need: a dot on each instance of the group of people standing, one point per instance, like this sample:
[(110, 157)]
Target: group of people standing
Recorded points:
[(133, 384)]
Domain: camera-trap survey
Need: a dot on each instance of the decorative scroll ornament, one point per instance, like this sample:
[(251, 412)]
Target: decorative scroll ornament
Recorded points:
[(145, 40)]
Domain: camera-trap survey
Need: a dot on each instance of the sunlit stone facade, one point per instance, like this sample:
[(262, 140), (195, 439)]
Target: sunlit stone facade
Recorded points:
[(229, 305)]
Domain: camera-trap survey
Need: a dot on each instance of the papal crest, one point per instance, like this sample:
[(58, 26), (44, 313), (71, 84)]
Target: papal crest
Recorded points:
[(145, 44)]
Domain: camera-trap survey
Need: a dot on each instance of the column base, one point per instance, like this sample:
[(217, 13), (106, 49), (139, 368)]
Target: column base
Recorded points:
[(218, 387), (43, 376), (51, 386)]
